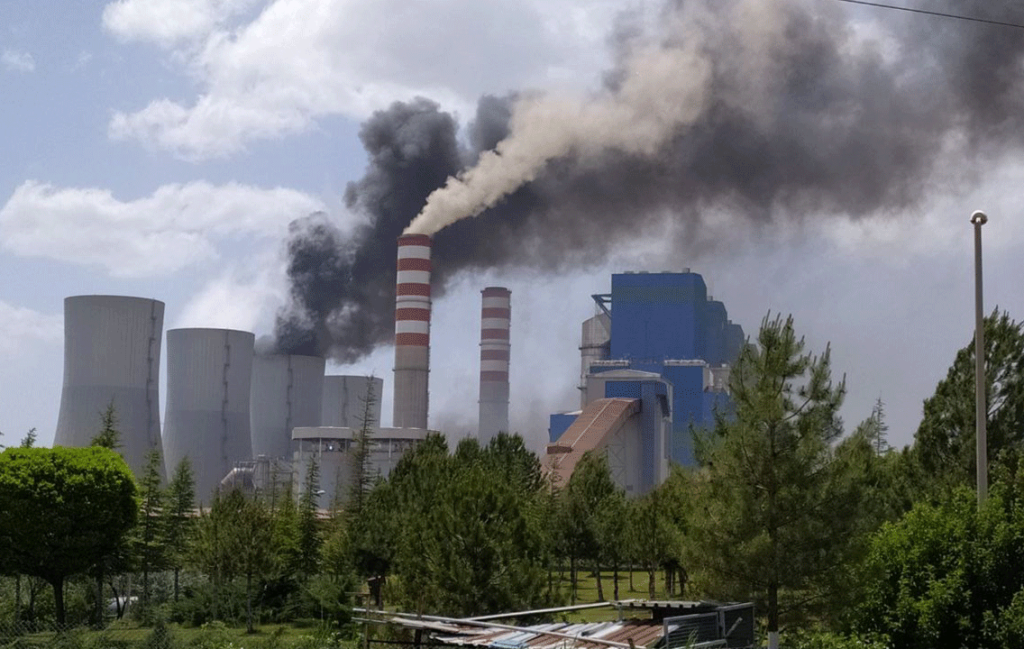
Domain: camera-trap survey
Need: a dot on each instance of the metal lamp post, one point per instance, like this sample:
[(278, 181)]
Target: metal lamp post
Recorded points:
[(979, 219)]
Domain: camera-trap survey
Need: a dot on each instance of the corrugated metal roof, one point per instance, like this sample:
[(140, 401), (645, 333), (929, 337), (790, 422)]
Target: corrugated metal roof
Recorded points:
[(598, 420), (643, 633)]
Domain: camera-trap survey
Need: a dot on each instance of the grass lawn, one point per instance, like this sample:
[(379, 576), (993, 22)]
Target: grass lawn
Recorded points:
[(212, 637), (586, 592)]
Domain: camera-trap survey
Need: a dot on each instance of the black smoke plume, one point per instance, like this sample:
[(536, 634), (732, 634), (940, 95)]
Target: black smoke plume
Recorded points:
[(803, 117)]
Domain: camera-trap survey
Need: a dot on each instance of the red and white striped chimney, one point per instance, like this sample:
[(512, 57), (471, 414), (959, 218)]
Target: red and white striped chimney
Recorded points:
[(495, 320), (412, 332)]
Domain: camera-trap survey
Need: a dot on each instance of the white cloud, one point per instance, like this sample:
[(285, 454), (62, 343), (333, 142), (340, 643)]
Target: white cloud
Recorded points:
[(167, 22), (241, 297), (178, 225), (20, 326), (300, 60), (15, 61)]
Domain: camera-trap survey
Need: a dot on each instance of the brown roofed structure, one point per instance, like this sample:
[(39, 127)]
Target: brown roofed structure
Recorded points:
[(598, 421)]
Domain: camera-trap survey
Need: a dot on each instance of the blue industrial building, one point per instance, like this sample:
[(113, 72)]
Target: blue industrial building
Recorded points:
[(661, 325)]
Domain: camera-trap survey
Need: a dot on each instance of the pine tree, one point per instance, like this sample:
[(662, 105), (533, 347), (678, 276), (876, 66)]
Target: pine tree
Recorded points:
[(875, 430), (771, 510), (179, 525), (109, 435), (362, 473), (309, 539), (945, 440), (150, 536)]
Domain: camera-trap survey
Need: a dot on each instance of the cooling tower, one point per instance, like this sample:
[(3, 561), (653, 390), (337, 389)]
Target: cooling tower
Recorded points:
[(209, 373), (495, 318), (412, 332), (287, 391), (112, 355), (345, 401)]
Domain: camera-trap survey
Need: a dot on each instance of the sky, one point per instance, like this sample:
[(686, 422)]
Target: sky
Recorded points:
[(160, 148)]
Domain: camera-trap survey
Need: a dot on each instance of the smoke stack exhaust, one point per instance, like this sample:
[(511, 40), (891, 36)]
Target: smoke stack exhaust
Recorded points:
[(495, 319), (412, 332)]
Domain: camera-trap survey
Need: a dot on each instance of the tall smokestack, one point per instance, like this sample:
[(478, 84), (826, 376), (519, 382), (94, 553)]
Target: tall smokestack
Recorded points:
[(412, 332), (495, 318)]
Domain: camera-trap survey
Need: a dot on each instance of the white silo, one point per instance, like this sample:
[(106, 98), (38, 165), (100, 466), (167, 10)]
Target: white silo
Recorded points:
[(209, 374), (287, 391), (345, 401), (112, 356)]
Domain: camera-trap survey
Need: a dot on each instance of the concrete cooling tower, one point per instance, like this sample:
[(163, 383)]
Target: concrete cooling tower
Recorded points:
[(345, 401), (112, 355), (287, 391), (209, 373)]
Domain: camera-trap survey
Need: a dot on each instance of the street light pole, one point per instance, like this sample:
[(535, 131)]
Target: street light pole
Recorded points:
[(980, 407)]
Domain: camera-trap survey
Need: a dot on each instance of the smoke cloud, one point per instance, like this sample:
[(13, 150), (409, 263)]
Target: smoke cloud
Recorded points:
[(771, 109)]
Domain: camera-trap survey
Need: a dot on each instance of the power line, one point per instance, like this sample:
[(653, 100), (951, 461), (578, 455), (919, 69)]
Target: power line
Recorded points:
[(935, 13)]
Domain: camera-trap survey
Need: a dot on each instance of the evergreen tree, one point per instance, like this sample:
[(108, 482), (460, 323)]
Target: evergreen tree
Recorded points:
[(945, 440), (773, 509), (109, 435), (149, 539), (178, 515), (309, 538), (29, 440), (589, 489), (875, 430), (362, 469), (473, 544), (250, 543)]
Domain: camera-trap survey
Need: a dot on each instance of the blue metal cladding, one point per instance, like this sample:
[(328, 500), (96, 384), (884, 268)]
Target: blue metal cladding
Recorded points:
[(656, 316), (714, 333), (734, 340), (559, 423), (687, 409)]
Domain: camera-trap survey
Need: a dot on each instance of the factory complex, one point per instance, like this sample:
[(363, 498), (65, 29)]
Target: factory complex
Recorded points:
[(654, 363), (654, 366)]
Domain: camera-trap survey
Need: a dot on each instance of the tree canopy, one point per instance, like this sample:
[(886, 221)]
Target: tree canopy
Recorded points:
[(945, 439), (62, 510), (770, 506)]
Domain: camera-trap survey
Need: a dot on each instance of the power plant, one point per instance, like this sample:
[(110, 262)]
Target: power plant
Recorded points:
[(654, 362), (112, 358), (209, 377)]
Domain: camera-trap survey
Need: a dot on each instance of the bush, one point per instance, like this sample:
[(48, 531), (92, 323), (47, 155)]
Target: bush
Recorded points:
[(829, 640), (948, 576), (159, 637)]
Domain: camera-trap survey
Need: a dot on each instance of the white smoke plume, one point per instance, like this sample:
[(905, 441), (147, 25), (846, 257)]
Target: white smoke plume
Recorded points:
[(663, 89)]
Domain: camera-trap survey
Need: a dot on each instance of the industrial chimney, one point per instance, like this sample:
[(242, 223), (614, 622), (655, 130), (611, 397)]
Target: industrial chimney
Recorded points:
[(412, 332), (495, 318), (112, 356)]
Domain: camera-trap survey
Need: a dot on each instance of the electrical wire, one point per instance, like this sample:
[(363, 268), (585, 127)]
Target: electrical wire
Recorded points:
[(935, 13)]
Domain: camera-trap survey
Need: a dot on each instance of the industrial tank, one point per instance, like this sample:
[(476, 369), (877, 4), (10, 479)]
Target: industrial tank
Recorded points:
[(209, 373), (345, 401), (112, 356), (287, 391)]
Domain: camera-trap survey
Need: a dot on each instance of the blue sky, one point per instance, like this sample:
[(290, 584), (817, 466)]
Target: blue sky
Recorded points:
[(159, 148)]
